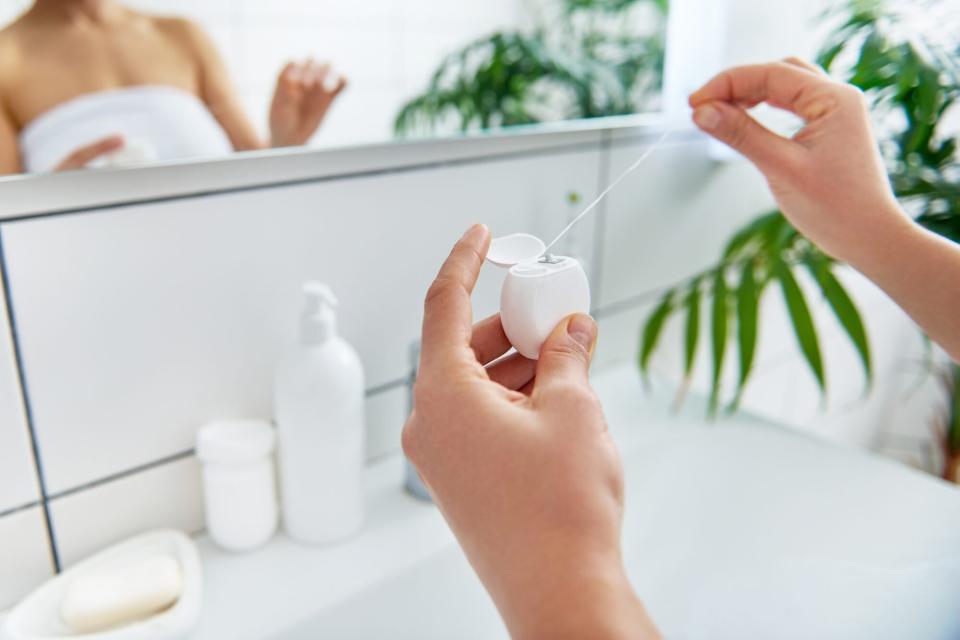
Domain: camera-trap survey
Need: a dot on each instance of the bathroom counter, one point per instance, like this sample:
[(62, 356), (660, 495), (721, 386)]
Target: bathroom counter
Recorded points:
[(730, 529)]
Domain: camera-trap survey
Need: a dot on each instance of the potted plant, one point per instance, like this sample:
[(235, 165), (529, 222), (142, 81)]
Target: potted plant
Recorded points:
[(912, 80), (583, 59)]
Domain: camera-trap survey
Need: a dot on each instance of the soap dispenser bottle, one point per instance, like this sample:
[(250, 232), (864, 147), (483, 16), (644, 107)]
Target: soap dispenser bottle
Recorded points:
[(319, 397)]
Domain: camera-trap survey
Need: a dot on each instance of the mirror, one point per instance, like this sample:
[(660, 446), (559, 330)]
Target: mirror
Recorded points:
[(103, 83)]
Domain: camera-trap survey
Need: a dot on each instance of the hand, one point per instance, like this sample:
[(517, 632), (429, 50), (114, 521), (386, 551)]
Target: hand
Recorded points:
[(301, 101), (517, 455), (829, 179), (87, 154)]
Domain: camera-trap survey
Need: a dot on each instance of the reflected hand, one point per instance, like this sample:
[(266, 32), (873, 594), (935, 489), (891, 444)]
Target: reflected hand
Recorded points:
[(829, 179), (88, 153), (518, 457), (302, 98)]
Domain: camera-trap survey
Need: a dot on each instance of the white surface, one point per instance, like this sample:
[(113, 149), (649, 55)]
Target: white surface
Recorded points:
[(235, 441), (239, 482), (319, 408), (515, 248), (24, 555), (18, 484), (536, 297), (735, 530), (167, 496), (118, 595), (178, 334), (38, 616), (160, 122)]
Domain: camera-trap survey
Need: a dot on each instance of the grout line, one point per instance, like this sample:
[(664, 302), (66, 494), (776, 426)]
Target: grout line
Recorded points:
[(119, 475), (386, 386), (28, 409), (572, 147), (19, 508), (182, 455)]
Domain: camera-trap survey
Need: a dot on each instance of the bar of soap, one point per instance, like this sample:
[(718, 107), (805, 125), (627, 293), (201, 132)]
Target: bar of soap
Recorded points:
[(121, 593)]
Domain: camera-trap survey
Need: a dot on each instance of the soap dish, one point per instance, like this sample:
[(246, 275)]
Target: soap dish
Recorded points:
[(37, 617)]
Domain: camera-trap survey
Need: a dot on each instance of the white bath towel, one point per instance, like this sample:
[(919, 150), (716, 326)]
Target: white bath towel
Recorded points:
[(157, 122)]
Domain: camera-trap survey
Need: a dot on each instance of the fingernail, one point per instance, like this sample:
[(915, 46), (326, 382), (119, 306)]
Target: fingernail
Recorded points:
[(707, 117), (583, 329), (474, 232)]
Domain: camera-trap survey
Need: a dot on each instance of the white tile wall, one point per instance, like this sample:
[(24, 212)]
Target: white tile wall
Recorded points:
[(165, 496), (24, 555), (18, 478), (179, 310)]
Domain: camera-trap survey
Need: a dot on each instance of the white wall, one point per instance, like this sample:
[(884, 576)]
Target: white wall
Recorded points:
[(387, 48)]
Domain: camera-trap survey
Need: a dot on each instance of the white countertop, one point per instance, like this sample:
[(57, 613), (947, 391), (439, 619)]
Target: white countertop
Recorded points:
[(283, 586)]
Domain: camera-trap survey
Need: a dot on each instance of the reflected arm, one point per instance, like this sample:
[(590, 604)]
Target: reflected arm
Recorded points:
[(9, 145), (216, 90)]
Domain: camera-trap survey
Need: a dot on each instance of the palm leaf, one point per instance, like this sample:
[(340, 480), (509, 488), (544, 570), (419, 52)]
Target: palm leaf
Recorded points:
[(719, 334), (845, 310), (692, 331), (748, 309), (802, 322), (652, 330)]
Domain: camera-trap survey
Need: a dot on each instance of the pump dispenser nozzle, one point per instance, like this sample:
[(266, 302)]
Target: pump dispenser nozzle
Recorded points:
[(319, 320)]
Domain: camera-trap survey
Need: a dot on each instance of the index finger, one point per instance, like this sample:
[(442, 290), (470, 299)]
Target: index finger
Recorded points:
[(448, 314), (780, 84)]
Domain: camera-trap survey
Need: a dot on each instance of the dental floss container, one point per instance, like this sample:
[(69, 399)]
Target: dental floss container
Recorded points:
[(319, 404), (239, 485), (539, 290)]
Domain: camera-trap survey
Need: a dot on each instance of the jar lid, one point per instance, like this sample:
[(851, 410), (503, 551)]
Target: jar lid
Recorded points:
[(235, 441)]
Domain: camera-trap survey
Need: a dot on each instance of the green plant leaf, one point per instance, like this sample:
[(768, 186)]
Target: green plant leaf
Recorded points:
[(845, 310), (719, 333), (748, 309), (753, 230), (802, 321), (692, 331), (652, 330)]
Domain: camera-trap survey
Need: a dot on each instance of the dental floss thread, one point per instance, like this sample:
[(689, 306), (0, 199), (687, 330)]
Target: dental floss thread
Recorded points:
[(643, 158)]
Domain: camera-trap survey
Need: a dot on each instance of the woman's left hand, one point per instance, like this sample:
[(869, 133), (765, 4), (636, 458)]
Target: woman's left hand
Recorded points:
[(305, 91)]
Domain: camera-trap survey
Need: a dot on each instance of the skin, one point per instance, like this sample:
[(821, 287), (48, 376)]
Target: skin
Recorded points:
[(519, 459), (62, 49), (830, 182), (517, 454)]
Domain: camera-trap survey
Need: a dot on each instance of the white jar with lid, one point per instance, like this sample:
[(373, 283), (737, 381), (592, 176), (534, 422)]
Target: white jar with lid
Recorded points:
[(239, 482)]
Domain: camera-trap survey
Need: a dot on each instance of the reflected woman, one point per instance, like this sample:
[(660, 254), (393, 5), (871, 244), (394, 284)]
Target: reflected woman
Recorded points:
[(84, 82)]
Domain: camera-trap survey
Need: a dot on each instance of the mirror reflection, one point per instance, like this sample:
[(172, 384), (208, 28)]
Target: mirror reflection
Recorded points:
[(107, 83)]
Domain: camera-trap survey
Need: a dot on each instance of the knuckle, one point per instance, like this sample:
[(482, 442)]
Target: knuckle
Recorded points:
[(440, 289), (854, 94), (739, 129), (568, 349)]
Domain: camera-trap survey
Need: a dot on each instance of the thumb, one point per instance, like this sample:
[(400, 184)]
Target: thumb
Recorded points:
[(566, 353), (736, 128)]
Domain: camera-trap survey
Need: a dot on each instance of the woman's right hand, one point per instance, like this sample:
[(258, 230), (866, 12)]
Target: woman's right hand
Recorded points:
[(829, 179), (88, 153)]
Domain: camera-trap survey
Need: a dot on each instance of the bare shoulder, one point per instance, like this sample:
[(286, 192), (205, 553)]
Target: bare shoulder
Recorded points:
[(183, 31), (11, 50)]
